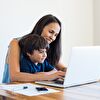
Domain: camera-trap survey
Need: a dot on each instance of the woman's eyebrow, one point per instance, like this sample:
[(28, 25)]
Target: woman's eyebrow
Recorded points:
[(54, 32)]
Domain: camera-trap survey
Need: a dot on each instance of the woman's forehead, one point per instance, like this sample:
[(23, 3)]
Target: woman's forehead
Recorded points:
[(53, 26)]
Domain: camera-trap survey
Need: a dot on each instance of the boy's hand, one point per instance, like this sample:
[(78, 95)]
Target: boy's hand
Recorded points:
[(56, 75)]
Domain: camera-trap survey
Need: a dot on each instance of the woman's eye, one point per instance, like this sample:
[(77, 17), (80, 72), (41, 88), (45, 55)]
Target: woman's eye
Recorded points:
[(56, 35), (51, 32)]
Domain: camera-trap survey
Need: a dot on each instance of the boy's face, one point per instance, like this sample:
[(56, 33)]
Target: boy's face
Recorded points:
[(38, 56)]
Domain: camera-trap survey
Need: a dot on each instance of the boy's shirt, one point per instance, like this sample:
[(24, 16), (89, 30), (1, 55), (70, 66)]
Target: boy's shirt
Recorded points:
[(26, 65)]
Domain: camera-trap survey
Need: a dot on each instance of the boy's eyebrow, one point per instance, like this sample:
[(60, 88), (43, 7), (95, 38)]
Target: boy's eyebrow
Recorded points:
[(42, 50)]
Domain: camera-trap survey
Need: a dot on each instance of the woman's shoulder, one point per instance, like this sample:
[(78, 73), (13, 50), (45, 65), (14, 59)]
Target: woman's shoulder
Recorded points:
[(14, 42)]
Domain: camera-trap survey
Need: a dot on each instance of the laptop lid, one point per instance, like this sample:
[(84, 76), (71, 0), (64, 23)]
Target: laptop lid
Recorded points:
[(83, 67)]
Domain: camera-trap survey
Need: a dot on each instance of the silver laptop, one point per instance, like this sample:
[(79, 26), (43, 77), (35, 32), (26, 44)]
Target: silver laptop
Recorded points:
[(83, 67)]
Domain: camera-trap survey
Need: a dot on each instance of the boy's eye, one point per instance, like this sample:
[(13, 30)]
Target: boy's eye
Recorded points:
[(41, 51)]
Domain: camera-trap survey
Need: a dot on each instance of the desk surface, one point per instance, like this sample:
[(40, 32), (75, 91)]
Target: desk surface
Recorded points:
[(84, 92)]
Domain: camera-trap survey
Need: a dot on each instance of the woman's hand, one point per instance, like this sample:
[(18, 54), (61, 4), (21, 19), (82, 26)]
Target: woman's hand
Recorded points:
[(56, 75), (64, 69), (61, 67)]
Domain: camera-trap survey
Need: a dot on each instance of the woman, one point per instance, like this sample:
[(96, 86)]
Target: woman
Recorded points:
[(48, 27)]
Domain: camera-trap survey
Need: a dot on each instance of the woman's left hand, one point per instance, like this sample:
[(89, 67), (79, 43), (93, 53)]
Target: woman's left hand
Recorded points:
[(64, 69)]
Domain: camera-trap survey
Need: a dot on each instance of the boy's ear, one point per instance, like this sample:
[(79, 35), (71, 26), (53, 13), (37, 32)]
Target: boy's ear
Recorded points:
[(28, 54)]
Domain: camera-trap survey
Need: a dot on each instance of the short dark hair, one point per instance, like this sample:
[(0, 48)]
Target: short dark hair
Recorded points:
[(33, 42), (54, 52)]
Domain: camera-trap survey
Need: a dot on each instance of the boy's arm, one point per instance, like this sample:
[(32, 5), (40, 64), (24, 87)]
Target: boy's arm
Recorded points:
[(51, 72)]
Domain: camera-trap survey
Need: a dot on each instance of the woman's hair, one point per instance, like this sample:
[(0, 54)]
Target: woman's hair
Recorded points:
[(54, 52), (33, 42)]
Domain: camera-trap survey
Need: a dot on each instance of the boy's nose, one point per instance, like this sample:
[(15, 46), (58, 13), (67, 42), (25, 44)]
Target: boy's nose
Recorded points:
[(44, 54)]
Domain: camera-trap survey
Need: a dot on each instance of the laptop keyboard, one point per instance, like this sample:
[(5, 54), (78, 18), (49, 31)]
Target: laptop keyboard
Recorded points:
[(59, 81)]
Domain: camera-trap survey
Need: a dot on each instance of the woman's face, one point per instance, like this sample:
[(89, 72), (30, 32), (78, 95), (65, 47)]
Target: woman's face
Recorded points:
[(51, 31)]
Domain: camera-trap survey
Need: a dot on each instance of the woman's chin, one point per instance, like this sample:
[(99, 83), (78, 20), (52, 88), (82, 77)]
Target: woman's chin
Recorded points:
[(49, 41)]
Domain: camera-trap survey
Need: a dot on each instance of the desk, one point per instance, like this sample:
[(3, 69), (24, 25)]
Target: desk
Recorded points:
[(84, 92)]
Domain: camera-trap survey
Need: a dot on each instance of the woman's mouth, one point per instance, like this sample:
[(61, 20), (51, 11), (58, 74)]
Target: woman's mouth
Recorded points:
[(49, 40)]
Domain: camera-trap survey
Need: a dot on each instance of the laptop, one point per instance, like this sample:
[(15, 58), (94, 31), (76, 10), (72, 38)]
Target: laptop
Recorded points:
[(83, 67)]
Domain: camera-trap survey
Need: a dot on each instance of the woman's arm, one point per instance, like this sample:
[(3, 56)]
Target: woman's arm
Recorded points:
[(13, 59), (14, 67), (27, 77)]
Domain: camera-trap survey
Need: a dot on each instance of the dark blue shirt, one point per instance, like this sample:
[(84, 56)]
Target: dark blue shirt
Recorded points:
[(26, 65)]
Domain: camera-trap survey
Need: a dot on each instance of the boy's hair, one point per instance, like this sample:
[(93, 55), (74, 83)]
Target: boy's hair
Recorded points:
[(33, 42)]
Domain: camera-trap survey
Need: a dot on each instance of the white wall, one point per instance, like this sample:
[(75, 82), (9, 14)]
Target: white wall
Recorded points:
[(96, 22), (78, 25), (17, 17)]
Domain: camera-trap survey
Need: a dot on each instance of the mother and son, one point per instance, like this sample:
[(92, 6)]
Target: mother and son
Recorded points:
[(35, 56)]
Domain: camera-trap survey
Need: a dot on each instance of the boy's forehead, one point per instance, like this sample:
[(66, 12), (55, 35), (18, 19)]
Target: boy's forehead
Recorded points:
[(42, 49)]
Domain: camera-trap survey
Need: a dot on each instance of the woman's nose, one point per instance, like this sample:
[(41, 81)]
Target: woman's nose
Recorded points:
[(52, 37)]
